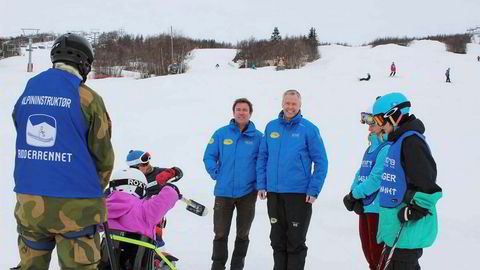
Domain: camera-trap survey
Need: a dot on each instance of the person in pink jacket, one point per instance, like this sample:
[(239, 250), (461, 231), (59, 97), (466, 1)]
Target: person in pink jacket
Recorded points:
[(128, 211), (393, 69)]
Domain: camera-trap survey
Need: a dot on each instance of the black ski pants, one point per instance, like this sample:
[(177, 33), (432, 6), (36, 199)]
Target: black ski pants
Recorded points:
[(222, 219), (289, 220), (404, 259)]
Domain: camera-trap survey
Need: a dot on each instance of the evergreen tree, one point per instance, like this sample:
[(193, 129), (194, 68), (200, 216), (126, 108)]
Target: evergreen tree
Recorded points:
[(313, 45), (276, 35), (312, 36)]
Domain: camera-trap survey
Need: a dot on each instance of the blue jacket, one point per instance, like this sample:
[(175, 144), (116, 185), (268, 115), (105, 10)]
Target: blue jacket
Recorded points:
[(286, 154), (230, 159), (370, 185)]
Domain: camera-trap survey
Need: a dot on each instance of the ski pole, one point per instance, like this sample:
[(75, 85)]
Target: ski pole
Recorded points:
[(110, 248), (192, 206), (390, 254)]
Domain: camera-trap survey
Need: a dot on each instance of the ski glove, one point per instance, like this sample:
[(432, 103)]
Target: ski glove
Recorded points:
[(178, 173), (353, 204), (412, 212), (164, 176), (349, 201)]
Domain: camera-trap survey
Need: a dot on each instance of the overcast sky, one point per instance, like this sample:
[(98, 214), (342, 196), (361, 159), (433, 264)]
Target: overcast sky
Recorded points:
[(350, 21)]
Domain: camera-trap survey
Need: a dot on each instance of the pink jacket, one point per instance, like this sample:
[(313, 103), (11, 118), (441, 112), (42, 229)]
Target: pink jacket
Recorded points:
[(128, 213), (393, 68)]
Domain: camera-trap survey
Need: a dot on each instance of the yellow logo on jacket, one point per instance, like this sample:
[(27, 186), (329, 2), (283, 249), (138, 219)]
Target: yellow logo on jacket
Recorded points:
[(227, 141), (211, 141), (274, 135)]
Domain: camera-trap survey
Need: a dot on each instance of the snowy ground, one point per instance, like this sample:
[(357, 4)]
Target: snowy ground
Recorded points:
[(173, 117)]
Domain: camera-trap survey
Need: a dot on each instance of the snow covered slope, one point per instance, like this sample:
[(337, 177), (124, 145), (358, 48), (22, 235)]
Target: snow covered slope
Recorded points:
[(204, 60), (174, 116)]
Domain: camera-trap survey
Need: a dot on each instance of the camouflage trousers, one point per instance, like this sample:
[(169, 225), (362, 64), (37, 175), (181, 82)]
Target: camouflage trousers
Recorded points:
[(48, 220)]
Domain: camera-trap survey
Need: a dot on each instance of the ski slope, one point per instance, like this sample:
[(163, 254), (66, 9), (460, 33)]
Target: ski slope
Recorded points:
[(205, 60), (174, 116)]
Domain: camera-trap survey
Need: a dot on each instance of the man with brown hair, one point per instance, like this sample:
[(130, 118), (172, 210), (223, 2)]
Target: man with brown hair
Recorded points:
[(230, 160)]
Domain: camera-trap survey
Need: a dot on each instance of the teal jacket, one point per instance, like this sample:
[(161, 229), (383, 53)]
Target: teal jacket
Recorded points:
[(372, 183), (415, 234)]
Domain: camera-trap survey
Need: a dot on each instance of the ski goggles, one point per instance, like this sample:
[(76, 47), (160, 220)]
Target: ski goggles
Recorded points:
[(367, 118), (145, 158), (394, 115)]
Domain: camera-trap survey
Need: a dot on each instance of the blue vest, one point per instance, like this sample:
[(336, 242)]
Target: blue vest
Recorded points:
[(394, 184), (368, 162), (52, 157)]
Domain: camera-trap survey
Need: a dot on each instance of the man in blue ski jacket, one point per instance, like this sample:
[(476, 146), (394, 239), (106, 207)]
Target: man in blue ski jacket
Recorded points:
[(408, 189), (230, 159), (284, 175)]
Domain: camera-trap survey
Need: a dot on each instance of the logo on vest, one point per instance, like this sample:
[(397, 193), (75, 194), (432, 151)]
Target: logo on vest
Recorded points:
[(227, 141), (367, 163), (389, 162), (248, 142), (296, 135), (41, 130)]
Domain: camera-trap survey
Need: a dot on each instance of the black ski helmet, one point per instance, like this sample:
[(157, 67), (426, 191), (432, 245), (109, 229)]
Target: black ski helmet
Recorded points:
[(73, 49)]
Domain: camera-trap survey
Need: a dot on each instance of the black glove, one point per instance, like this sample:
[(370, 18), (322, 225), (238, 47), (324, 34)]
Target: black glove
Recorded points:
[(349, 201), (178, 173), (353, 204), (358, 207), (174, 187), (412, 212)]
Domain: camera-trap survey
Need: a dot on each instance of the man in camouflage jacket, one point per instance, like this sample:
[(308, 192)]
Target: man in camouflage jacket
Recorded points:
[(64, 159)]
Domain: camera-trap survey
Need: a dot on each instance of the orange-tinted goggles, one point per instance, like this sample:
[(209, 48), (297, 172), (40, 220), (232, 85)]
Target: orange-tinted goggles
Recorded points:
[(380, 120)]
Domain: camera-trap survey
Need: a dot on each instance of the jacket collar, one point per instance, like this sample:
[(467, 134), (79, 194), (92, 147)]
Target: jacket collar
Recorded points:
[(250, 131), (295, 120), (67, 68), (411, 124)]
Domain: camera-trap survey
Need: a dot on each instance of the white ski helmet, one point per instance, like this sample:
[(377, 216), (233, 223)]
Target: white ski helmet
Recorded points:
[(131, 181)]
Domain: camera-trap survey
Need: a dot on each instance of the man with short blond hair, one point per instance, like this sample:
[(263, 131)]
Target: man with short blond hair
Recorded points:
[(284, 175)]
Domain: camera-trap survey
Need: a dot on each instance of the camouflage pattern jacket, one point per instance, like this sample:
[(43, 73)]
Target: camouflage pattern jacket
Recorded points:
[(67, 214)]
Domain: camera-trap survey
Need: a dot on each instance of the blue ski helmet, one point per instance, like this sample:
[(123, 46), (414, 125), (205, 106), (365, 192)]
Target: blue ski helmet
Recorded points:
[(390, 107), (137, 157), (389, 101)]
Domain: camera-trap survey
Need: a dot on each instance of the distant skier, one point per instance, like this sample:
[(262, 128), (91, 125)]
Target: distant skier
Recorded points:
[(393, 69), (478, 58), (217, 66), (366, 78), (447, 75)]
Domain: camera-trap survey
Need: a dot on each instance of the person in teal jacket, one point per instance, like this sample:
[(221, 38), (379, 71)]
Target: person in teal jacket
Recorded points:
[(230, 159), (408, 190), (363, 197), (290, 147)]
